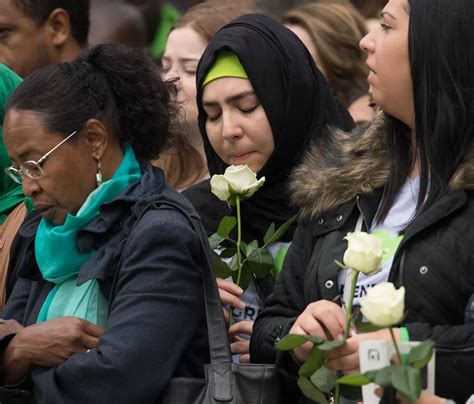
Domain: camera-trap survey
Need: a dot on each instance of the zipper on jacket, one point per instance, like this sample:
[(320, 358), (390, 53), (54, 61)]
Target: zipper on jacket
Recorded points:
[(362, 213), (401, 269), (278, 333)]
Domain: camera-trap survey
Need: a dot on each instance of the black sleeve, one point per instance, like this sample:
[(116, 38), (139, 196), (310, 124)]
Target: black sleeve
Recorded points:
[(157, 310), (454, 357), (286, 302)]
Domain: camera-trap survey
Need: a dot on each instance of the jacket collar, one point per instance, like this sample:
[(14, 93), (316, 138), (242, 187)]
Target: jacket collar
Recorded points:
[(340, 166), (114, 215)]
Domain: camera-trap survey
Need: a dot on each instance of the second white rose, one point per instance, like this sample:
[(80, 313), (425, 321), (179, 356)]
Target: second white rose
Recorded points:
[(384, 305)]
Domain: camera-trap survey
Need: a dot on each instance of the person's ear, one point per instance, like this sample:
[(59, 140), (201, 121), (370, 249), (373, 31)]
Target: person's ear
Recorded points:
[(98, 137), (59, 25)]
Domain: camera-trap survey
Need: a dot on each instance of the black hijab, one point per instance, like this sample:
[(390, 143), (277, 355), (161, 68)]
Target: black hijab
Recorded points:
[(297, 99)]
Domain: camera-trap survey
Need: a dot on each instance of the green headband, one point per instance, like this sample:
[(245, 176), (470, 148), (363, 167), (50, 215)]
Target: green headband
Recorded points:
[(227, 64)]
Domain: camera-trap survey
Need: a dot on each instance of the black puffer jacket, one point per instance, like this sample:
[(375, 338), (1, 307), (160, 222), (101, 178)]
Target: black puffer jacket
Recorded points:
[(434, 262)]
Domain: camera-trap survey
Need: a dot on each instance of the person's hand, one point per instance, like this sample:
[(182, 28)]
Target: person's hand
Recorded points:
[(9, 327), (230, 294), (238, 344), (47, 344), (346, 357), (425, 398), (322, 319)]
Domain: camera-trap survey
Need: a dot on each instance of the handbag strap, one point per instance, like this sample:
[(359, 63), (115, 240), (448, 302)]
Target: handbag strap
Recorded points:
[(8, 231), (219, 348)]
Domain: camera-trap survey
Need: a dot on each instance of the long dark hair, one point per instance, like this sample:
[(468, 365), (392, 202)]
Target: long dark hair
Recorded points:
[(441, 52), (114, 83)]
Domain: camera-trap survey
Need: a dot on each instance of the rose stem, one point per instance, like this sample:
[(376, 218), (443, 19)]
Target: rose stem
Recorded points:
[(239, 258), (396, 346)]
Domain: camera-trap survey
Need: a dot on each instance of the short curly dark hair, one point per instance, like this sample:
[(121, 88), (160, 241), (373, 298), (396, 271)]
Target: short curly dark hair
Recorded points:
[(119, 85), (78, 10)]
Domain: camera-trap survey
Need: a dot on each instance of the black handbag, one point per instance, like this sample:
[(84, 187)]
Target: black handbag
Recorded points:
[(226, 382)]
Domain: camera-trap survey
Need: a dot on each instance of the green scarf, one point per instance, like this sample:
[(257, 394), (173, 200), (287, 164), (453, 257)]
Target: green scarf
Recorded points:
[(11, 193), (59, 259), (169, 16)]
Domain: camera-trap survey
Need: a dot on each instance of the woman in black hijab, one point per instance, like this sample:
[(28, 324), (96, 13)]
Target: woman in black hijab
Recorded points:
[(298, 105)]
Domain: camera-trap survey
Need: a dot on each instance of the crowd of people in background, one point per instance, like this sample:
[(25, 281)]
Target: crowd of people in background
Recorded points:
[(114, 116)]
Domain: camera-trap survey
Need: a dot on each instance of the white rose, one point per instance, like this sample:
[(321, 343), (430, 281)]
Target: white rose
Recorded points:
[(364, 252), (236, 180), (383, 305)]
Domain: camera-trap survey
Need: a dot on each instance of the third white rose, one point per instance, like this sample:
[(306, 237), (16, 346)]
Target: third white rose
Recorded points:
[(384, 305)]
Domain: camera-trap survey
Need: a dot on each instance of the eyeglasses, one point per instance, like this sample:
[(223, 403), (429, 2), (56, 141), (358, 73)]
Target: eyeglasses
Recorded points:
[(32, 169)]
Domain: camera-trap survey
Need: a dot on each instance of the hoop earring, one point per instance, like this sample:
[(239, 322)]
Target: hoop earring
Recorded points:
[(98, 176)]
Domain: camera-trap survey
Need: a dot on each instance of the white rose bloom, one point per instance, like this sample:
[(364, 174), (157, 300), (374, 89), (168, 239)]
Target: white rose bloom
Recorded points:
[(236, 180), (384, 305), (364, 252), (220, 187)]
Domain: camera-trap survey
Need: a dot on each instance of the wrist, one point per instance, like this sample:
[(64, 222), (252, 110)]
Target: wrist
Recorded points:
[(14, 352), (14, 363)]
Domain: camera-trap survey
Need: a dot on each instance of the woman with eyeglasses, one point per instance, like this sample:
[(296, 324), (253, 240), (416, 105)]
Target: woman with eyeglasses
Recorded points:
[(111, 265)]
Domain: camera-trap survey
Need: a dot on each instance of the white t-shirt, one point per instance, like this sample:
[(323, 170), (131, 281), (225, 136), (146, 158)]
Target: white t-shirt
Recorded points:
[(398, 217)]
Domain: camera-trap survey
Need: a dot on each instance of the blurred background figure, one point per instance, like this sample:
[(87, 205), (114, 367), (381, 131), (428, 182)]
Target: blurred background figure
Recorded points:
[(38, 33), (332, 30), (12, 208), (116, 22), (369, 8), (185, 164)]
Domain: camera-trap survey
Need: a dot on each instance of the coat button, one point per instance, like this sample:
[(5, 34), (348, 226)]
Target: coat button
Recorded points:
[(320, 221), (423, 269), (329, 284), (338, 218)]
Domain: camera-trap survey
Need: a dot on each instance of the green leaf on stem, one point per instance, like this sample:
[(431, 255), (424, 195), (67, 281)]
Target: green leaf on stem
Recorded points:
[(420, 355), (407, 381), (226, 225), (324, 379), (228, 252), (215, 240), (221, 269), (234, 265), (250, 247), (356, 379), (243, 247), (290, 341), (280, 231), (383, 377), (245, 276), (313, 362), (260, 262), (311, 391), (269, 233), (328, 345)]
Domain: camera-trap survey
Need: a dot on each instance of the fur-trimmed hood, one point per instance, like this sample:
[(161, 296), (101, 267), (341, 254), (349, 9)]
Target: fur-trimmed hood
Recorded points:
[(340, 166)]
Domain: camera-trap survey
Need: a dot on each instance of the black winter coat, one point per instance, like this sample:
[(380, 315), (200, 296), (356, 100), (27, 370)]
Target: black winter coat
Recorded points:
[(156, 327), (434, 262)]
